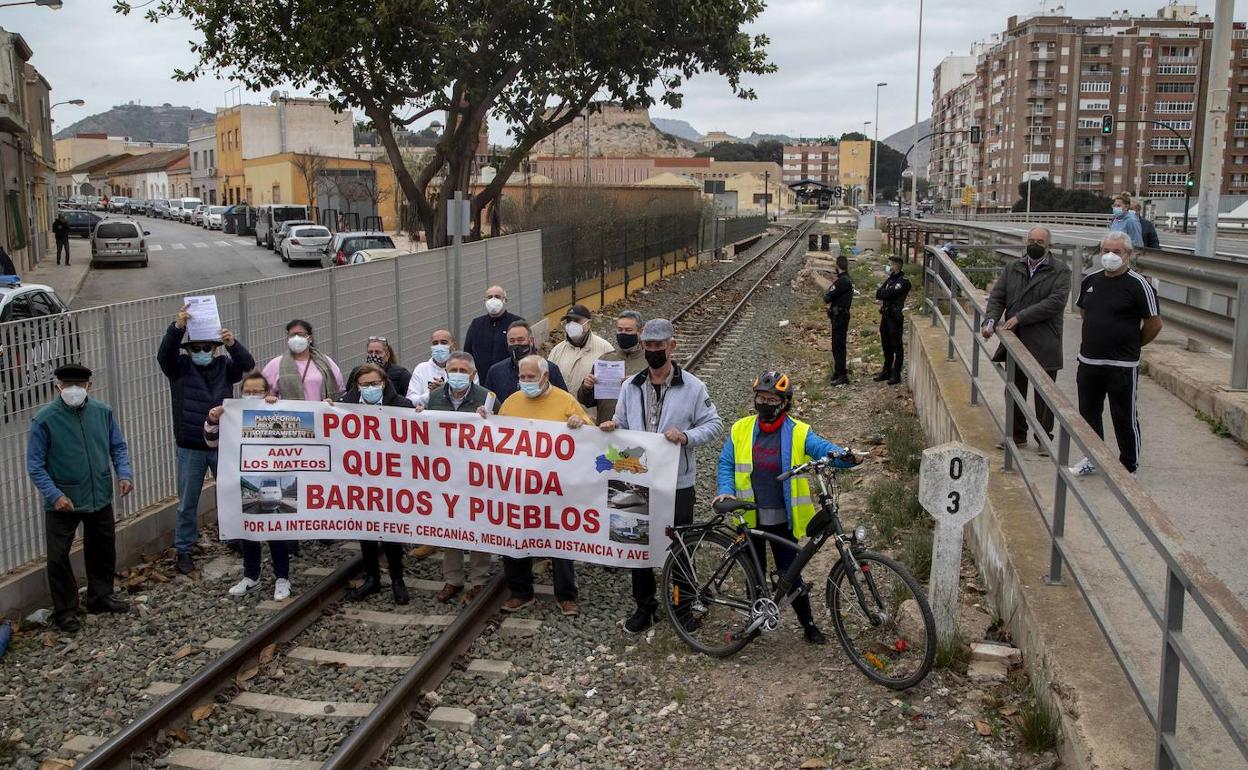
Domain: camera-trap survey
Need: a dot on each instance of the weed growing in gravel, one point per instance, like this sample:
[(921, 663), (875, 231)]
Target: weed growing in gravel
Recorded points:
[(954, 654), (917, 552), (905, 441), (1037, 723), (1218, 427), (894, 505)]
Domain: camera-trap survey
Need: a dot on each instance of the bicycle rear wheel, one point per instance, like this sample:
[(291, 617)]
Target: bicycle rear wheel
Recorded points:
[(709, 596), (891, 635)]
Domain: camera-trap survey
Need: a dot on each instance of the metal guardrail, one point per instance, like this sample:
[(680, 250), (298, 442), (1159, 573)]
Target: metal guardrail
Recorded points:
[(403, 299), (1170, 221), (1201, 296), (958, 308)]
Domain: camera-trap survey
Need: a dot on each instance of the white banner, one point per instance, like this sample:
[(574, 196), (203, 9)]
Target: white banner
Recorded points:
[(305, 470)]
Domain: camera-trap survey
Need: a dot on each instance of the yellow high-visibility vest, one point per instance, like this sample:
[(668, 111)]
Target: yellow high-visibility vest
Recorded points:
[(801, 504)]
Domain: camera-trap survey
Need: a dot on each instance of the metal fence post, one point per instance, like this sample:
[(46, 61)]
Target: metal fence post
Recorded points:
[(398, 314), (244, 328), (1239, 355), (975, 358), (951, 325), (112, 362), (602, 273), (1054, 578), (572, 265), (627, 258), (1010, 368), (333, 312), (1168, 692)]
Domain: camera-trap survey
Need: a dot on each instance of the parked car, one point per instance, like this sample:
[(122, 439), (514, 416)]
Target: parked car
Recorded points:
[(346, 244), (81, 223), (118, 240), (197, 216), (188, 208), (283, 231), (118, 203), (174, 209), (270, 216), (31, 352), (373, 255), (305, 243), (213, 218)]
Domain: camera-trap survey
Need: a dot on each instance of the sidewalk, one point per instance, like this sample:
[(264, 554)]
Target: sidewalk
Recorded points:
[(1201, 380), (66, 280)]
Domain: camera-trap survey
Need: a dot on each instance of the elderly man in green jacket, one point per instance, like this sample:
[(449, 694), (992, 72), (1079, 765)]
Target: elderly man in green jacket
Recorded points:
[(75, 446)]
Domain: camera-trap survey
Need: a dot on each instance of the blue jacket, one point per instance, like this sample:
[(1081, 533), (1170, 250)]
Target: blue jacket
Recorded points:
[(486, 340), (194, 390), (91, 487), (1129, 224), (503, 379), (816, 447)]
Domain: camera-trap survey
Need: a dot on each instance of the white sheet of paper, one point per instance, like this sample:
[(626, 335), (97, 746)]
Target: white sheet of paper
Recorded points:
[(610, 376), (205, 323)]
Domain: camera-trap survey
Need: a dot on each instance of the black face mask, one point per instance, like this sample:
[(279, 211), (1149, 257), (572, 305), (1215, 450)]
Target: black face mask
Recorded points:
[(656, 358), (1036, 252), (519, 351), (626, 341), (768, 412)]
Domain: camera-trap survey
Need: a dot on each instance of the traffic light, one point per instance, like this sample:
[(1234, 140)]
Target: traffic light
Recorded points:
[(975, 135), (1190, 182), (1107, 124)]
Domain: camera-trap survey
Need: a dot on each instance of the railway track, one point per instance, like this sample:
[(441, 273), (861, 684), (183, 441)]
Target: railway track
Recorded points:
[(158, 736)]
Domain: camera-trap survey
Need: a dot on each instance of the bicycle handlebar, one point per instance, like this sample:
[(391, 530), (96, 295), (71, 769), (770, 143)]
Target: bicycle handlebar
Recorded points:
[(822, 462)]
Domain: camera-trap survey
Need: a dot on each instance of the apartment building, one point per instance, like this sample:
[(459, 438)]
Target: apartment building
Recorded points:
[(27, 155), (1040, 89), (202, 145), (817, 162)]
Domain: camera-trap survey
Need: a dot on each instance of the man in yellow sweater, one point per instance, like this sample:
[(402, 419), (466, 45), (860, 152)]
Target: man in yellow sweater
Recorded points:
[(537, 400)]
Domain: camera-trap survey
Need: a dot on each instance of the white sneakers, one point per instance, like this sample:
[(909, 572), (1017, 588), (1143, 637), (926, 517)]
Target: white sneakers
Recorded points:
[(281, 588), (1085, 468), (243, 586)]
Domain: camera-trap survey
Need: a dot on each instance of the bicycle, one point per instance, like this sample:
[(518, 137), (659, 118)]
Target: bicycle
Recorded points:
[(718, 604)]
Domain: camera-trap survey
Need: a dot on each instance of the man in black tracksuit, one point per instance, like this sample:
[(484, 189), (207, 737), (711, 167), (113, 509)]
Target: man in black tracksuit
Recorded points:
[(838, 297), (892, 296)]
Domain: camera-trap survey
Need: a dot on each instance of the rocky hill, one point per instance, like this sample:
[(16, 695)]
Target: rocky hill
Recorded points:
[(901, 141), (616, 131), (141, 122), (680, 128)]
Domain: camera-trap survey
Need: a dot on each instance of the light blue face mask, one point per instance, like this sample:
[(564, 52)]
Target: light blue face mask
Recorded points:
[(1117, 211), (201, 357), (458, 380), (371, 394), (531, 389), (440, 353)]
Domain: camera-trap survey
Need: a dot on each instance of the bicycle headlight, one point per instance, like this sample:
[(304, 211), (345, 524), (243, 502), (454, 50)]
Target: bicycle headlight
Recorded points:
[(860, 535)]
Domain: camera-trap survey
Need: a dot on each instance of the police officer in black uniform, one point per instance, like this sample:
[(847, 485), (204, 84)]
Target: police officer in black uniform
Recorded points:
[(837, 298), (892, 296)]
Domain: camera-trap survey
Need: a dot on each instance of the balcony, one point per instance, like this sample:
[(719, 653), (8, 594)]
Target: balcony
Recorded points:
[(1040, 93), (1087, 168), (1039, 130), (1043, 55), (1095, 74), (1036, 158), (1177, 60)]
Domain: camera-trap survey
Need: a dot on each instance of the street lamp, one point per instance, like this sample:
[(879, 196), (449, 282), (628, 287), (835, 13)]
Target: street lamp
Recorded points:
[(875, 152), (75, 102), (918, 82), (53, 4)]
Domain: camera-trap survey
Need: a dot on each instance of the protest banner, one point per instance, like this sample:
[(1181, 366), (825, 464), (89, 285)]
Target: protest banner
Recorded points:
[(307, 470)]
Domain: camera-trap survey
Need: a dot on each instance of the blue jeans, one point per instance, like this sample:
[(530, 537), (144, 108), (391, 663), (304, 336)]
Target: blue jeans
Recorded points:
[(193, 465)]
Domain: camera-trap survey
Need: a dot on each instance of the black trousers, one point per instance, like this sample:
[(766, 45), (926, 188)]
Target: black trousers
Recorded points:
[(1042, 410), (892, 327), (1119, 384), (279, 552), (98, 553), (371, 549), (62, 246), (784, 559), (644, 584), (519, 576), (840, 335)]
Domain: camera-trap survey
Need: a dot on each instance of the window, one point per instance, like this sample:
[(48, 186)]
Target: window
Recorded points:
[(18, 309), (1166, 143), (1176, 88), (1241, 128), (1177, 51), (1181, 125), (1089, 123), (42, 304), (116, 230), (1172, 107), (1099, 105), (1094, 87), (1176, 69)]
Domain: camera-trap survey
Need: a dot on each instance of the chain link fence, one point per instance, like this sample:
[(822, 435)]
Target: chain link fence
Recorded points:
[(403, 299)]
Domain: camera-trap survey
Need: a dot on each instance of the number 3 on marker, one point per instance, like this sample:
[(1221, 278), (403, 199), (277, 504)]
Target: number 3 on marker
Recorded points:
[(955, 502)]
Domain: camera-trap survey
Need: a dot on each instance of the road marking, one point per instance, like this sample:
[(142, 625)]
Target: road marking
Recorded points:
[(156, 247), (201, 245), (242, 241), (179, 245), (222, 243)]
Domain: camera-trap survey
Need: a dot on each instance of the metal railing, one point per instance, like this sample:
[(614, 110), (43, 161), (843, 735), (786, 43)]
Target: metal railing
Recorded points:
[(403, 299), (958, 308)]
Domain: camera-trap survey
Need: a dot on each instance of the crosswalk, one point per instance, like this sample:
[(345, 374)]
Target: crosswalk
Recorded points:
[(201, 245)]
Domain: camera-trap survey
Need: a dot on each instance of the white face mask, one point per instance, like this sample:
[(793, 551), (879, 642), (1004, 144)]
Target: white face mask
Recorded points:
[(297, 344), (1111, 261), (494, 305), (574, 330), (74, 395), (253, 396)]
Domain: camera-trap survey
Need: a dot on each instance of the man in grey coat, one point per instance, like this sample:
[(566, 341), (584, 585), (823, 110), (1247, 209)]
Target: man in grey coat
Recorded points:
[(1031, 294)]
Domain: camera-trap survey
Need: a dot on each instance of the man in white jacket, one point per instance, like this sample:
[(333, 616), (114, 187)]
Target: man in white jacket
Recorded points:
[(580, 349), (430, 375)]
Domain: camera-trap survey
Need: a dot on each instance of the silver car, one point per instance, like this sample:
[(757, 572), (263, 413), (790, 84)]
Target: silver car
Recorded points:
[(119, 240), (306, 243)]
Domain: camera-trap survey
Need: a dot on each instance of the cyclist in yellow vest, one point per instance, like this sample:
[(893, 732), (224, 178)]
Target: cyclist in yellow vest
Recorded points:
[(760, 448)]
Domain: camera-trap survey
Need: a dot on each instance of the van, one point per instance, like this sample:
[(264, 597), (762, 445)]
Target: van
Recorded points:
[(118, 240), (270, 216), (188, 208)]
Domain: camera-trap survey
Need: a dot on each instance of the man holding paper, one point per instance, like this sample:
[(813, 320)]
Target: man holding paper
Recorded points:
[(601, 388), (199, 379), (580, 350)]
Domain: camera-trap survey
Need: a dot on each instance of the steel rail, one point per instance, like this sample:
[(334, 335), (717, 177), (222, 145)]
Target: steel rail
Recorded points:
[(175, 708)]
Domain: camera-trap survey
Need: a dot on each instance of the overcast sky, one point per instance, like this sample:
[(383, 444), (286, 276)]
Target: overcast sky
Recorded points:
[(831, 53)]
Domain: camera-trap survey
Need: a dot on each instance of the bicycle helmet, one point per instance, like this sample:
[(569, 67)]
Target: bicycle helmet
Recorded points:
[(775, 383)]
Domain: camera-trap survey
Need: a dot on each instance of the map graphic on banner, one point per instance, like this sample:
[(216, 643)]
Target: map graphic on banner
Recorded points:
[(307, 470)]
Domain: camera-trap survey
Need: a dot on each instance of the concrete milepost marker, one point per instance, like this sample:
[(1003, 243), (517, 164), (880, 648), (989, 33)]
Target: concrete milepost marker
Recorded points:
[(953, 486)]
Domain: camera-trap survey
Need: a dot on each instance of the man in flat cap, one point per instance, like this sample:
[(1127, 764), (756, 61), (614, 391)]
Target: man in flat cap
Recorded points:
[(75, 447)]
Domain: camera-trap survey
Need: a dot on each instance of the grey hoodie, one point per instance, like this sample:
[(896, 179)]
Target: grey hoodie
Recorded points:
[(686, 407)]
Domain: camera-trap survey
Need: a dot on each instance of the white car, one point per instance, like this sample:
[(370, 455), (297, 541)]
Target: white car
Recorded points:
[(373, 255), (30, 352), (213, 217), (306, 243)]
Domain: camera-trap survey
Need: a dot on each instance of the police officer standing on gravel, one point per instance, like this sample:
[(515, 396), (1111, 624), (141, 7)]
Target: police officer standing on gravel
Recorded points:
[(74, 442), (838, 298), (892, 296), (665, 398)]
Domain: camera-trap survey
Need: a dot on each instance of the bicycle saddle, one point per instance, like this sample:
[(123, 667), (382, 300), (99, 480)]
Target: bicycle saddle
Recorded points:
[(730, 505)]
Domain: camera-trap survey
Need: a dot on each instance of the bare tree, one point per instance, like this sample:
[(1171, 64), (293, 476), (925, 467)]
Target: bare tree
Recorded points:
[(310, 166)]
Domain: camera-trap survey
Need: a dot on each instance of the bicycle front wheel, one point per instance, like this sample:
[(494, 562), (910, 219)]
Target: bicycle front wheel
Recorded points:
[(886, 626), (709, 595)]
